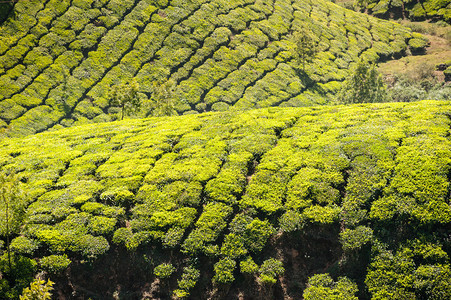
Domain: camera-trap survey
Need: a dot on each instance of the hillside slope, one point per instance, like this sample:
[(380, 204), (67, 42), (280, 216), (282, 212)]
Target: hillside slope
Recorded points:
[(58, 59), (411, 9), (359, 191)]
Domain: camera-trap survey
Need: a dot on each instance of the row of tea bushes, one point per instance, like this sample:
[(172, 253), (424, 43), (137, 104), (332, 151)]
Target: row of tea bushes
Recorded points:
[(57, 70), (224, 187)]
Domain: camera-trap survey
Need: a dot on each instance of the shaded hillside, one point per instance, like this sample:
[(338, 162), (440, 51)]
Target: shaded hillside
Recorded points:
[(58, 59), (359, 191)]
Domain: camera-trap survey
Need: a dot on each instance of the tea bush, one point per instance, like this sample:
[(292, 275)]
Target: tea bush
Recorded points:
[(58, 60)]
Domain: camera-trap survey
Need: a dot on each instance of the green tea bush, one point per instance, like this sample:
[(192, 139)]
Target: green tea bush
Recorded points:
[(55, 264), (218, 56), (224, 271), (188, 281), (248, 266), (352, 239), (23, 245), (164, 270), (323, 286), (236, 188), (269, 270)]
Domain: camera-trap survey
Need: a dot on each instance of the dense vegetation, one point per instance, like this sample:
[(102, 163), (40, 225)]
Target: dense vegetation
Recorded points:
[(256, 202), (412, 9), (58, 59)]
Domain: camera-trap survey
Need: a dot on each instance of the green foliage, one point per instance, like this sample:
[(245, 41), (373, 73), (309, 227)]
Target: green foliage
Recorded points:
[(416, 272), (16, 275), (102, 225), (222, 188), (125, 95), (55, 264), (248, 266), (428, 9), (365, 85), (65, 64), (38, 290), (353, 239), (23, 245), (224, 269), (256, 234), (12, 209), (188, 281), (322, 286), (306, 45), (163, 100), (270, 270), (290, 221), (233, 246), (164, 270)]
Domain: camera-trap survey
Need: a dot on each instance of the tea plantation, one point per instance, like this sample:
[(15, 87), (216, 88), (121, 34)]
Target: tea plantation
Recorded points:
[(414, 10), (324, 202), (59, 58)]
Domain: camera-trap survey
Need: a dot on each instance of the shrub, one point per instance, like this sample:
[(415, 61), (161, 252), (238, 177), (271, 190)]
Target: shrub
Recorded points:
[(188, 281), (38, 290), (23, 245), (233, 246), (55, 264), (256, 234), (322, 286), (164, 270), (290, 221), (248, 266), (92, 246), (270, 270), (224, 271), (101, 225), (356, 238)]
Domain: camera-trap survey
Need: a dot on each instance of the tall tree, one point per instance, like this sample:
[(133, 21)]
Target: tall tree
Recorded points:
[(364, 86), (125, 95), (163, 98), (12, 209), (306, 46)]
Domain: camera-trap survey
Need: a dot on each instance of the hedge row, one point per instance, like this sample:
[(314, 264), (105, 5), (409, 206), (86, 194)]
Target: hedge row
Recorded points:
[(222, 186), (57, 69)]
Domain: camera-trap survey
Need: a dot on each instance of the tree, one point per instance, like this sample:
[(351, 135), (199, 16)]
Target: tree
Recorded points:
[(163, 98), (12, 209), (125, 95), (306, 46), (364, 86), (38, 290)]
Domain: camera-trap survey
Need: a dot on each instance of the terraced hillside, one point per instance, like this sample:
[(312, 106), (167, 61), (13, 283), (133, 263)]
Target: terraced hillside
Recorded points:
[(252, 203), (58, 59)]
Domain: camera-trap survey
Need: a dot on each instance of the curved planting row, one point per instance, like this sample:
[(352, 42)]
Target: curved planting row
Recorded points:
[(222, 202), (60, 58)]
